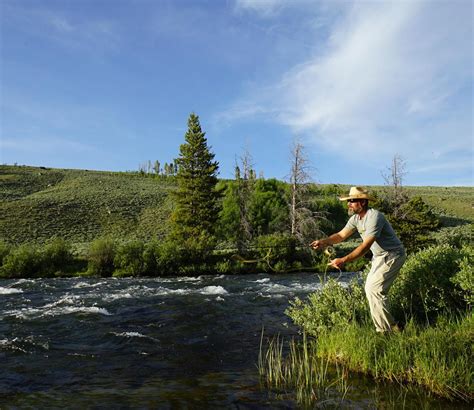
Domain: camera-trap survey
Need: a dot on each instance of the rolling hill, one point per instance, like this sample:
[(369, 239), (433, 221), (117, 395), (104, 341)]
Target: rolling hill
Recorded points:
[(38, 203)]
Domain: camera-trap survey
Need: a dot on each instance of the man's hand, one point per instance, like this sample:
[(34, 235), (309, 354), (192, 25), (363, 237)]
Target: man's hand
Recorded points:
[(317, 245), (336, 263)]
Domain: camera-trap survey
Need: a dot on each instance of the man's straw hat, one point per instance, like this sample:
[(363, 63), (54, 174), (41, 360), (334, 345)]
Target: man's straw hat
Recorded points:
[(357, 192)]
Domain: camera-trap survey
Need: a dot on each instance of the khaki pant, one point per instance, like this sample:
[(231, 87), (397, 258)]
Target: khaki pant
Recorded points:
[(383, 272)]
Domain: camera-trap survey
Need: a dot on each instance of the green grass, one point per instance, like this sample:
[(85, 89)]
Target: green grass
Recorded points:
[(451, 202), (79, 206), (437, 358), (37, 204), (300, 372)]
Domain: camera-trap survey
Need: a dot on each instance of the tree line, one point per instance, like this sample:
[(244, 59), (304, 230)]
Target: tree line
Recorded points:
[(241, 225)]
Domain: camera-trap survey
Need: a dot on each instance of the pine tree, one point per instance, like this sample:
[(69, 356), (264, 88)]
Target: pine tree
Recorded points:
[(197, 201)]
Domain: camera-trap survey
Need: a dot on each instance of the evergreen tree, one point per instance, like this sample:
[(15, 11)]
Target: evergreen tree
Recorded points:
[(197, 200)]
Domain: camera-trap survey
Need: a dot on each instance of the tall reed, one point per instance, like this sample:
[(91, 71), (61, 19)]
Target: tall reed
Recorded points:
[(296, 369)]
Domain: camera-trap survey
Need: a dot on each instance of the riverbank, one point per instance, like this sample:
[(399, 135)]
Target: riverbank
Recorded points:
[(436, 359), (433, 296)]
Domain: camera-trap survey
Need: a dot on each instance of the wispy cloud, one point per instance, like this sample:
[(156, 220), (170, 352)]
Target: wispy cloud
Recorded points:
[(384, 82), (265, 8), (61, 27)]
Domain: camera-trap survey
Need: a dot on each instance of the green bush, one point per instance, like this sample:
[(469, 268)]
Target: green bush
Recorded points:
[(168, 258), (101, 257), (424, 288), (22, 262), (224, 267), (274, 249), (5, 249), (414, 221), (332, 306), (150, 255), (128, 260), (455, 236), (56, 257), (465, 277)]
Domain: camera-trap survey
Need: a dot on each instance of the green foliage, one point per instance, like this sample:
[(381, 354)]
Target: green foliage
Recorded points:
[(268, 207), (22, 262), (465, 277), (267, 211), (80, 206), (129, 260), (168, 258), (333, 306), (5, 249), (228, 224), (101, 257), (456, 236), (197, 249), (414, 221), (424, 288), (57, 257), (437, 357), (334, 212), (196, 199), (275, 252)]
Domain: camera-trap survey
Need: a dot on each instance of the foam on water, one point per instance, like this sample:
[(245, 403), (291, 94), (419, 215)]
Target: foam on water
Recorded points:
[(77, 309), (213, 290), (9, 291), (88, 285), (134, 334)]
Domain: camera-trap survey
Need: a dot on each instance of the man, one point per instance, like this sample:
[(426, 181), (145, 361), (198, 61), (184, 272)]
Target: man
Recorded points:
[(388, 253)]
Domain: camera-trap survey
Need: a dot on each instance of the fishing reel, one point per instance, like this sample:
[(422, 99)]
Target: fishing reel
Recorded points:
[(329, 251)]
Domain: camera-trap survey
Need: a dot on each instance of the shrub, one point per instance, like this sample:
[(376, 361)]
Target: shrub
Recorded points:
[(128, 260), (168, 258), (465, 277), (272, 249), (455, 236), (333, 306), (22, 262), (56, 257), (197, 250), (150, 255), (414, 221), (5, 249), (224, 267), (101, 257), (424, 288)]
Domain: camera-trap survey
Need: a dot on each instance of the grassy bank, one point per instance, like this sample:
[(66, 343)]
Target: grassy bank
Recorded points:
[(437, 359), (433, 295)]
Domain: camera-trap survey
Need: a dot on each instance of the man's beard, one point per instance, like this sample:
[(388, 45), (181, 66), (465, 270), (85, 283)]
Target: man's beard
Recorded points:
[(350, 212)]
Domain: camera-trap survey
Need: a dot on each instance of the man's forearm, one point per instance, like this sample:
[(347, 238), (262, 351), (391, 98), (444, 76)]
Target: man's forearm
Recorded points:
[(361, 250), (333, 239)]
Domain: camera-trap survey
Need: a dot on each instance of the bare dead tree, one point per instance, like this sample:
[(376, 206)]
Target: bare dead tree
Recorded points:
[(304, 222), (245, 178), (394, 176)]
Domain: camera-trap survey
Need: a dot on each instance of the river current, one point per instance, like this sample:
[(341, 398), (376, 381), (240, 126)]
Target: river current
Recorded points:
[(176, 342)]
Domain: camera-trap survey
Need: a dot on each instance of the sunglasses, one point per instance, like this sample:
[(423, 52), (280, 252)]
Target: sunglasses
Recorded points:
[(354, 200)]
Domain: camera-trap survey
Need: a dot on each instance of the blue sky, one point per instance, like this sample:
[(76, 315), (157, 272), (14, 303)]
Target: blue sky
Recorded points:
[(109, 84)]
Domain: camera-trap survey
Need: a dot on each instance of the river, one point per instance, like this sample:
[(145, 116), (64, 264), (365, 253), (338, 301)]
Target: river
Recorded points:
[(176, 342)]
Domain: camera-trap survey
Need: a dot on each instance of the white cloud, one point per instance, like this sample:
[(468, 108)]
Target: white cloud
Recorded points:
[(390, 77), (265, 8)]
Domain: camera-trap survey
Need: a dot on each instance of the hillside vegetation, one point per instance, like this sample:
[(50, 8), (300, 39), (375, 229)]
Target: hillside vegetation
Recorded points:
[(79, 206), (40, 203)]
